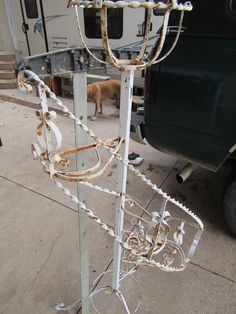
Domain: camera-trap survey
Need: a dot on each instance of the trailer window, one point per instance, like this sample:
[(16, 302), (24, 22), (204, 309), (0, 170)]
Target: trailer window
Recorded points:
[(92, 23), (209, 18), (31, 9)]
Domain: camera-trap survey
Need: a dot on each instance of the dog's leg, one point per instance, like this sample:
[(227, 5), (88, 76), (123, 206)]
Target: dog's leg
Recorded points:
[(96, 111), (117, 101), (100, 108), (116, 114)]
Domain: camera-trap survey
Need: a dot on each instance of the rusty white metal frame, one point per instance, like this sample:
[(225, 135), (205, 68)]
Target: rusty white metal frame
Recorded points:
[(150, 238), (152, 241), (127, 68)]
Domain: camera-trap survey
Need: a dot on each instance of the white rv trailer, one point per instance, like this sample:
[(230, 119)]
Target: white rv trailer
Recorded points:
[(46, 25)]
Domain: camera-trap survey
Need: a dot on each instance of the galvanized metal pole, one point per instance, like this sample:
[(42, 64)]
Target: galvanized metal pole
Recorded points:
[(127, 79), (81, 138)]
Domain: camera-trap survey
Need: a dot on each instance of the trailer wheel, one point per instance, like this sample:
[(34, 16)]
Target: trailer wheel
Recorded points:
[(229, 206)]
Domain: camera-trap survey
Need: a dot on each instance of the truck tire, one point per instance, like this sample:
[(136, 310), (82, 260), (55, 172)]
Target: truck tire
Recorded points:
[(229, 206)]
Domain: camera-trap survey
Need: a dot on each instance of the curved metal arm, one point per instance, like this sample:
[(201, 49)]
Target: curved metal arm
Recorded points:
[(175, 41), (145, 38), (88, 174), (104, 31), (161, 41), (82, 38)]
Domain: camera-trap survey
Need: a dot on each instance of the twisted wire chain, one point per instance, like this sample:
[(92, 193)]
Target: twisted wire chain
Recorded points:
[(99, 188), (164, 195), (88, 211)]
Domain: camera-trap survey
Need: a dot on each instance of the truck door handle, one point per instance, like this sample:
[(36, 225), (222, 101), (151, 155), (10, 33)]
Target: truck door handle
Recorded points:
[(25, 27)]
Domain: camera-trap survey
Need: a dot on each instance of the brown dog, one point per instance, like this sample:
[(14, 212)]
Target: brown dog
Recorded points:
[(99, 91)]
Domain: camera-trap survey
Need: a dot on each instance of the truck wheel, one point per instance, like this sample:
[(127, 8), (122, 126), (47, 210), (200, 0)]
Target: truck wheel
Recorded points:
[(229, 206)]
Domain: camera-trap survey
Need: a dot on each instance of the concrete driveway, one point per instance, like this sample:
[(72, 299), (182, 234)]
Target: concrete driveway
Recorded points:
[(39, 259)]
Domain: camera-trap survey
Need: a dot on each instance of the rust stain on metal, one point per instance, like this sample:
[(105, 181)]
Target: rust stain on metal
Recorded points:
[(44, 156), (87, 174), (79, 149), (39, 129)]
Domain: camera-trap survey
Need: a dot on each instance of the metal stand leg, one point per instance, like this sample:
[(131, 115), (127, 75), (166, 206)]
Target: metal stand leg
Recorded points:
[(127, 78), (81, 138)]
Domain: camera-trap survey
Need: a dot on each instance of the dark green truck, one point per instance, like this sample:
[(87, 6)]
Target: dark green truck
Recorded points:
[(190, 98)]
